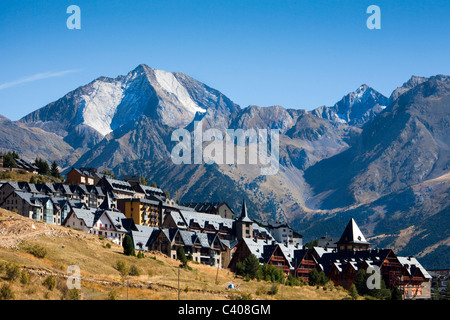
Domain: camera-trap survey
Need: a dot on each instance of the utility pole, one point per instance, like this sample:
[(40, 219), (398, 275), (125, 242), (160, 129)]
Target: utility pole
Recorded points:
[(128, 284), (178, 283), (217, 274)]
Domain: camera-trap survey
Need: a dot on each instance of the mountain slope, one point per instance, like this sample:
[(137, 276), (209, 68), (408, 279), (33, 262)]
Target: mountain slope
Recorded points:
[(86, 115), (31, 143), (402, 146), (356, 108)]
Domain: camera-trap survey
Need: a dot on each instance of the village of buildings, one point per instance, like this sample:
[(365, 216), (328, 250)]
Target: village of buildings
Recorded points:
[(211, 233)]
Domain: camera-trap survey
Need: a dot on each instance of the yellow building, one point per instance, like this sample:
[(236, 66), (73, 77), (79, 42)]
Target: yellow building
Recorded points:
[(143, 212)]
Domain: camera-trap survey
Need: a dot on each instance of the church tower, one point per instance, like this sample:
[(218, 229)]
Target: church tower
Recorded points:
[(352, 238), (244, 226)]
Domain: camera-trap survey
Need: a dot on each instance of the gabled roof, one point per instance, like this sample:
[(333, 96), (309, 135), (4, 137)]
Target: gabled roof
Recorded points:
[(116, 218), (141, 236), (261, 231), (89, 216), (83, 172), (107, 202), (118, 185), (352, 234), (256, 246), (187, 237), (31, 199), (204, 219), (412, 265), (355, 258), (230, 244), (151, 190)]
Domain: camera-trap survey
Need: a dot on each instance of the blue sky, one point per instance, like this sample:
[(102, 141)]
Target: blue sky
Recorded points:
[(298, 54)]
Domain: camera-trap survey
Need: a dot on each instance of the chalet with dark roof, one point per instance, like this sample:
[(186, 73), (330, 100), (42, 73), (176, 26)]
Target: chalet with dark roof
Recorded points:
[(79, 176), (220, 208)]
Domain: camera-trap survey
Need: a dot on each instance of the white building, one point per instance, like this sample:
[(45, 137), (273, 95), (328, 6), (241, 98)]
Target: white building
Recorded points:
[(104, 223), (282, 233)]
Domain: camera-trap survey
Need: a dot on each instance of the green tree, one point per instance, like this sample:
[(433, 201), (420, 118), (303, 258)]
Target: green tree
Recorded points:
[(312, 243), (128, 247), (292, 281), (43, 167), (167, 193), (436, 293), (353, 292), (143, 181), (154, 185), (317, 278), (251, 266), (361, 282), (9, 159), (54, 171), (182, 256), (396, 294), (123, 269)]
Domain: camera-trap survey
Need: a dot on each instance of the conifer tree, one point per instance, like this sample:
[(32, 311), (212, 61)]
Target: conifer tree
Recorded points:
[(128, 248)]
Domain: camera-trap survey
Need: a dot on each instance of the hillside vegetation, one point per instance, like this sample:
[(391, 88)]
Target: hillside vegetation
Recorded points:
[(35, 256)]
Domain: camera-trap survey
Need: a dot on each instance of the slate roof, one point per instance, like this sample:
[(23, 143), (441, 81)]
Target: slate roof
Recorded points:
[(355, 258), (256, 246), (151, 190), (411, 265), (89, 216), (244, 214), (141, 236), (352, 234), (259, 230), (31, 199), (116, 218), (204, 219)]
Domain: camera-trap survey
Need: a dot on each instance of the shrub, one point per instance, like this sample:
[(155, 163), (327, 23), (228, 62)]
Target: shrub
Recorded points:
[(36, 250), (6, 292), (24, 278), (273, 290), (242, 296), (12, 271), (74, 294), (134, 271), (123, 269), (50, 282), (112, 295)]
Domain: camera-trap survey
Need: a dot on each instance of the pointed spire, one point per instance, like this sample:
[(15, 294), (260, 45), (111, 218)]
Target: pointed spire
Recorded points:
[(107, 204), (244, 215), (352, 234)]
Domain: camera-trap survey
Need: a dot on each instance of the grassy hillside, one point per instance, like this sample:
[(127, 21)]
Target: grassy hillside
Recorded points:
[(22, 175), (96, 258)]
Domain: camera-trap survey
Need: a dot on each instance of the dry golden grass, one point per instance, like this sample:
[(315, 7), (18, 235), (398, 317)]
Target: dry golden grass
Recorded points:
[(158, 279), (23, 175)]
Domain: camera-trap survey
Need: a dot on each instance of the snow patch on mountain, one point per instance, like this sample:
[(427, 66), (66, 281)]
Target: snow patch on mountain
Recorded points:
[(100, 106), (171, 85)]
